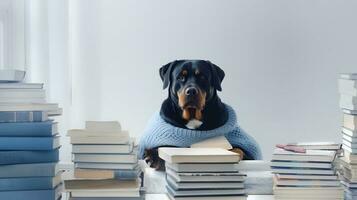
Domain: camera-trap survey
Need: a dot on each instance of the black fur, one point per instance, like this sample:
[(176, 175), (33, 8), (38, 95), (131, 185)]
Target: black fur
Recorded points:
[(214, 113)]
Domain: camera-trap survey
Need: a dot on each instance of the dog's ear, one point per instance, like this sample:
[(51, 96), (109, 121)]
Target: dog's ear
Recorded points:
[(165, 73), (217, 76)]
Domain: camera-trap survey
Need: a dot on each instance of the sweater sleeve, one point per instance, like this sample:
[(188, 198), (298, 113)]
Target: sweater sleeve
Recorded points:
[(240, 139)]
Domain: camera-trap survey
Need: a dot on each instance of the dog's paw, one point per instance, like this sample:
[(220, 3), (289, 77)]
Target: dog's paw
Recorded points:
[(152, 158), (238, 151)]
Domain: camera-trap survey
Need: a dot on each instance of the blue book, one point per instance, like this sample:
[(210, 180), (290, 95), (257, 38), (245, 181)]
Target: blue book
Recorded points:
[(30, 183), (25, 157), (38, 129), (53, 194), (23, 116), (29, 170), (29, 143)]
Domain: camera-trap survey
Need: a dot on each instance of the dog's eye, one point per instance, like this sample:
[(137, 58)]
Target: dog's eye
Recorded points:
[(181, 78)]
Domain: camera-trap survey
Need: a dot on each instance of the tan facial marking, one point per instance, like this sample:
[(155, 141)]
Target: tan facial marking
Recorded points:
[(184, 72)]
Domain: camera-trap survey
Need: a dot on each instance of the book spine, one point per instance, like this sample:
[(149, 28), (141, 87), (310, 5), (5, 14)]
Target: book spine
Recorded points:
[(28, 170), (23, 116), (53, 194), (26, 157), (30, 183), (40, 129), (27, 143), (126, 174)]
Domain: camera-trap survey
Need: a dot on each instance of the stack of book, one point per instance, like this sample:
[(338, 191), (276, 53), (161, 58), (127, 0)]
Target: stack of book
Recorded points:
[(309, 174), (105, 162), (348, 104), (29, 141), (202, 173)]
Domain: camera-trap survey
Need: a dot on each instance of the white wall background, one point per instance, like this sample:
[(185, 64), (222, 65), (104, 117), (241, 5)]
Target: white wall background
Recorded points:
[(281, 59)]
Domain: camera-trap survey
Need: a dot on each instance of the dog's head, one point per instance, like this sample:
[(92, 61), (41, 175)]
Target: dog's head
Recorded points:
[(192, 84)]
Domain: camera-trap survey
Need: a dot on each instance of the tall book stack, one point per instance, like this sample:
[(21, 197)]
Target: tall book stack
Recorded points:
[(105, 161), (202, 173), (29, 141), (348, 104), (306, 175)]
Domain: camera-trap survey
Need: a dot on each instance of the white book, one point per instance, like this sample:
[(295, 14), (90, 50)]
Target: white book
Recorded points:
[(22, 93), (10, 75), (22, 100), (86, 133), (349, 132), (349, 76), (103, 188), (350, 122), (241, 197), (28, 107), (103, 126), (351, 112), (349, 158), (303, 171), (310, 155), (348, 138), (309, 191), (349, 144), (349, 149), (118, 166), (215, 142), (203, 185), (348, 106), (305, 183), (119, 139), (196, 167), (205, 177), (320, 165), (198, 155), (210, 192), (317, 145), (348, 99), (348, 87), (21, 86), (95, 148), (104, 194), (105, 158), (307, 177)]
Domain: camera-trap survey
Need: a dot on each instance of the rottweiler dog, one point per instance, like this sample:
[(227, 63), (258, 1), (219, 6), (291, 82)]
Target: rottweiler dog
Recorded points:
[(192, 102)]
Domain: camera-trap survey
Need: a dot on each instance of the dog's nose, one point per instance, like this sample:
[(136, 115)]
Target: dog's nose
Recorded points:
[(191, 91)]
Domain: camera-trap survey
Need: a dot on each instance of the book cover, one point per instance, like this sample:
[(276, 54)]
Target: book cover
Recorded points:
[(25, 157), (94, 165), (120, 149), (30, 183), (198, 155), (205, 177), (197, 167), (11, 75), (209, 192), (35, 129), (105, 158), (310, 155), (29, 170), (203, 185), (29, 143), (23, 116), (21, 86), (118, 139)]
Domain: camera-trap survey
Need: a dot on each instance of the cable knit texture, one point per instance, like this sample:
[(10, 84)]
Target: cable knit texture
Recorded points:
[(160, 133)]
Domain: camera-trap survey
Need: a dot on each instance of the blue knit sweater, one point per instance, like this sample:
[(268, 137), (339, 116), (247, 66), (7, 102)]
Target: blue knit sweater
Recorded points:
[(160, 133)]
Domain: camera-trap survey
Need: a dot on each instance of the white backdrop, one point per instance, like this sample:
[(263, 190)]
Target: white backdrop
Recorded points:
[(281, 59)]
